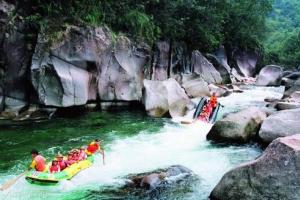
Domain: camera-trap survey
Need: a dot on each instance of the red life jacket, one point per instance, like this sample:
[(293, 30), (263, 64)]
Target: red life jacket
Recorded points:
[(62, 164), (54, 169), (40, 163), (93, 147)]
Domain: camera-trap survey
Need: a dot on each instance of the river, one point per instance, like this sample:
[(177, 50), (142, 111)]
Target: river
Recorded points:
[(133, 142)]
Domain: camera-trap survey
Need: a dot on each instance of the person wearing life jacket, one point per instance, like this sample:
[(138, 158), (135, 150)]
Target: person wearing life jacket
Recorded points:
[(54, 167), (38, 162), (62, 163), (82, 154), (206, 112), (94, 147), (213, 100)]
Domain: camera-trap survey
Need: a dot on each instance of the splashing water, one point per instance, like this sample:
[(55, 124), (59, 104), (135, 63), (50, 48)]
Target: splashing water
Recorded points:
[(156, 143)]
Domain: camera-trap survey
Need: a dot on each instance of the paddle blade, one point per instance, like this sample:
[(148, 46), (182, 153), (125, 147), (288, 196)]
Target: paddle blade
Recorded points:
[(9, 183), (186, 122)]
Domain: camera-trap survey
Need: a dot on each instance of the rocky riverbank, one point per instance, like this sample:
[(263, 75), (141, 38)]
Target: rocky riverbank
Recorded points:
[(83, 65)]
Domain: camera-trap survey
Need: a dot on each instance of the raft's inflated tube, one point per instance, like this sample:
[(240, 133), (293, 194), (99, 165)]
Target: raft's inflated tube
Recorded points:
[(199, 107), (214, 115), (43, 178)]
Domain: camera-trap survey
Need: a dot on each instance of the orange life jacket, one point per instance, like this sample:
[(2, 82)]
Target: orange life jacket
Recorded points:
[(213, 101), (93, 147), (40, 163)]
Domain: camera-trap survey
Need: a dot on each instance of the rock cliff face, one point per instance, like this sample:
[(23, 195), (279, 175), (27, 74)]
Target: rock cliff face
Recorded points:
[(84, 64), (17, 41)]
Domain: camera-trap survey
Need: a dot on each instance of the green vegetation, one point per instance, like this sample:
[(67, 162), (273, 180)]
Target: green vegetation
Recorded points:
[(282, 44), (201, 24)]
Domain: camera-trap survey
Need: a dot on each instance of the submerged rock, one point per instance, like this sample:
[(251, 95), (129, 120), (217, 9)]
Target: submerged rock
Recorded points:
[(159, 184), (281, 124), (165, 96), (237, 127), (274, 175), (270, 75)]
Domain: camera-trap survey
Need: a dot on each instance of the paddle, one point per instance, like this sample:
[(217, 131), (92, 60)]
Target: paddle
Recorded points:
[(186, 122), (9, 183)]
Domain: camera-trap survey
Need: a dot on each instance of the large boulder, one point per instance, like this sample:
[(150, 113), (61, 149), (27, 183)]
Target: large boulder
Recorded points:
[(246, 63), (281, 124), (238, 127), (200, 65), (274, 175), (165, 96), (194, 85), (86, 65), (269, 75)]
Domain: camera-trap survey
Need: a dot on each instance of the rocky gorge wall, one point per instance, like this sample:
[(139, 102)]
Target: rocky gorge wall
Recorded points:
[(90, 64)]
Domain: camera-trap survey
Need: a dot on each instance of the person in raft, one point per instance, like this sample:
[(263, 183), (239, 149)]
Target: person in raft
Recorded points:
[(38, 162), (213, 100), (54, 167), (206, 111), (82, 154), (93, 147), (72, 157), (62, 163)]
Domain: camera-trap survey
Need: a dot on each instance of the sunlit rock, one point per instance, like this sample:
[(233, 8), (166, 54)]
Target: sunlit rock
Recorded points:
[(161, 97), (269, 75), (274, 175), (281, 124), (194, 85), (238, 127)]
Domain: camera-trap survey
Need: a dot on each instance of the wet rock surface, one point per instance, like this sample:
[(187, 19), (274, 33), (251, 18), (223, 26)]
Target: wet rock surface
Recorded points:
[(166, 183), (274, 175)]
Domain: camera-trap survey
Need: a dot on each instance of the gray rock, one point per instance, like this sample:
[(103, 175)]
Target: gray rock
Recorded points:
[(274, 175), (246, 63), (295, 86), (287, 105), (269, 75), (161, 61), (163, 96), (160, 178), (151, 181), (16, 48), (219, 90), (194, 85), (293, 75), (281, 124), (200, 65), (238, 127), (86, 64), (220, 62)]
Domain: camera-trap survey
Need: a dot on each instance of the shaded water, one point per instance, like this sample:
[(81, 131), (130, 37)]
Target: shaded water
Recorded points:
[(134, 143)]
